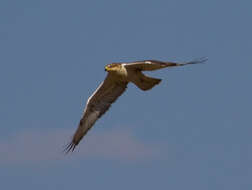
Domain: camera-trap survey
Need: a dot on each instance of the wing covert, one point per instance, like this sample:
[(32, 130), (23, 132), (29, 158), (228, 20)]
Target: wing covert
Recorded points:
[(146, 65)]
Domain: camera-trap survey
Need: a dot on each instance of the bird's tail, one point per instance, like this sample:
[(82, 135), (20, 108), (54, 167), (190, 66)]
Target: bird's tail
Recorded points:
[(144, 82)]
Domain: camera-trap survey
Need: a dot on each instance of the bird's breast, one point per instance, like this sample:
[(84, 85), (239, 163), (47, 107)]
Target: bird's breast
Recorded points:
[(122, 74)]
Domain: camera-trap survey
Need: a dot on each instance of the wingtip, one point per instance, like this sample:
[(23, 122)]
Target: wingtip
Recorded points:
[(69, 148), (199, 60)]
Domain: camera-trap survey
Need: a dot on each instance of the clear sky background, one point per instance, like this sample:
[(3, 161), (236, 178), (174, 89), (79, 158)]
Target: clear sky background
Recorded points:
[(193, 131)]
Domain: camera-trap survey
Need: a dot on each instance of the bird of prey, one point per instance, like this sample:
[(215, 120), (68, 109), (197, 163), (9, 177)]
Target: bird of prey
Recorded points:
[(115, 83)]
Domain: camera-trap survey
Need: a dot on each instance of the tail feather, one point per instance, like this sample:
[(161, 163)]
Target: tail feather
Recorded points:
[(144, 82)]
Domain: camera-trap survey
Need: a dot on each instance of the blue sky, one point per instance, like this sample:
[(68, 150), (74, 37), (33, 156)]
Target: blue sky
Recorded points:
[(193, 131)]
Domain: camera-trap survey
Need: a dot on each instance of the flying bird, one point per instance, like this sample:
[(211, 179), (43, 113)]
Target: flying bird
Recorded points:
[(115, 83)]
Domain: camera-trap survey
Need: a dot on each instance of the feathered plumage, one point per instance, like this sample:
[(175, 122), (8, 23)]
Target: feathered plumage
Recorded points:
[(119, 75)]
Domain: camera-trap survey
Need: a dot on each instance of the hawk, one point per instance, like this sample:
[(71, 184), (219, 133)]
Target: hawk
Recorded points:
[(115, 83)]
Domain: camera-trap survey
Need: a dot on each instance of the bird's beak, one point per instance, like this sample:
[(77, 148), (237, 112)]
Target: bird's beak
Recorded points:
[(106, 68)]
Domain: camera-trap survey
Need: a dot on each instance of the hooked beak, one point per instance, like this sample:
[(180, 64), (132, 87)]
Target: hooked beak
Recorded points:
[(106, 68)]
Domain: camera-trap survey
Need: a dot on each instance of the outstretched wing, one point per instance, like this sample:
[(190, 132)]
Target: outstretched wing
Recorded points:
[(98, 103), (149, 65)]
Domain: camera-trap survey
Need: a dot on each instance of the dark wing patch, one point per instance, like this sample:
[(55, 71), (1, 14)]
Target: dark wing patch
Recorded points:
[(146, 65), (96, 106)]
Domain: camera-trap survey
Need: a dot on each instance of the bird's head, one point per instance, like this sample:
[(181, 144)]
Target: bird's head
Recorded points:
[(111, 67)]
